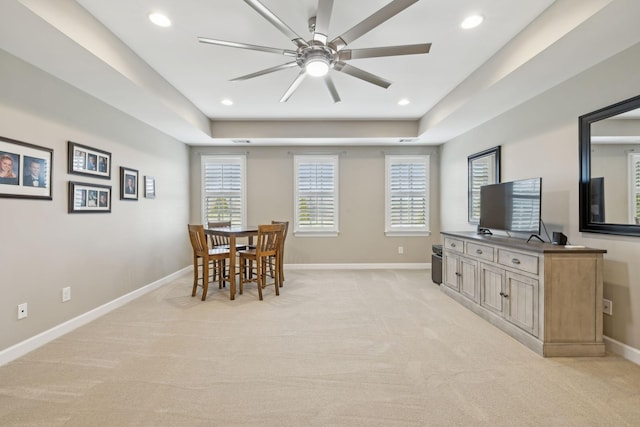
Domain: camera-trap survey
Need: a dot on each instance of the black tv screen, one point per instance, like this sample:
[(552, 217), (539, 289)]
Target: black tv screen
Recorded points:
[(512, 206)]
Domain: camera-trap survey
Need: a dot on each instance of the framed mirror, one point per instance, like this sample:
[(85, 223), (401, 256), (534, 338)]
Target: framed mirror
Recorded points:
[(483, 169), (609, 193)]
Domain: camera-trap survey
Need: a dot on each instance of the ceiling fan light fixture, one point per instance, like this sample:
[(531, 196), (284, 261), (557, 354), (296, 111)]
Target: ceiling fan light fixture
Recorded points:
[(317, 65)]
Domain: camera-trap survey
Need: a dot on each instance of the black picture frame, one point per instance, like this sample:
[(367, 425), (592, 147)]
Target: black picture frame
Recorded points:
[(149, 187), (26, 170), (89, 198), (129, 183), (88, 161), (487, 161)]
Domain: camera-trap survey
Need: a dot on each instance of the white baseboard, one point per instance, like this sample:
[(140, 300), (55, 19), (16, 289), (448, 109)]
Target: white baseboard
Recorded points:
[(30, 344), (621, 349), (393, 266)]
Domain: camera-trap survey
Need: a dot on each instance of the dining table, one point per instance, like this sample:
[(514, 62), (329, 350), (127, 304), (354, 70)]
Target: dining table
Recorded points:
[(233, 232)]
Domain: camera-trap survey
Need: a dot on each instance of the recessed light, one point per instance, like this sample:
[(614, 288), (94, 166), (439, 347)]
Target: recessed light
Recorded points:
[(160, 19), (403, 102), (226, 101), (472, 21)]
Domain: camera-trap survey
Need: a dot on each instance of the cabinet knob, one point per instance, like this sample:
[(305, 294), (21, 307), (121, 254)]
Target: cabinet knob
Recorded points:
[(505, 295), (458, 274), (479, 252), (515, 261), (453, 245)]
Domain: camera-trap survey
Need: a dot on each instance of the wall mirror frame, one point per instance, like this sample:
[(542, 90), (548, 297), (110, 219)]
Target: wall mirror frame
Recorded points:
[(589, 222), (483, 169)]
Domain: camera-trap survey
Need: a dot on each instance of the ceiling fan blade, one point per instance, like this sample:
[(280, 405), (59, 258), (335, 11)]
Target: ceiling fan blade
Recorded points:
[(323, 17), (388, 11), (266, 71), (332, 88), (293, 86), (375, 52), (361, 74), (277, 22), (284, 52)]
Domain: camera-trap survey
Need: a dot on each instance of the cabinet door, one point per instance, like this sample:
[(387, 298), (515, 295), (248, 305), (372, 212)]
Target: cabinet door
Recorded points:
[(491, 286), (468, 280), (521, 302), (450, 270)]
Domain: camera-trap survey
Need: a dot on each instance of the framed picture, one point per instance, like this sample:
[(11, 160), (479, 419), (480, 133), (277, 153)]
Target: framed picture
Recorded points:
[(484, 169), (26, 170), (128, 184), (88, 161), (89, 198), (149, 187)]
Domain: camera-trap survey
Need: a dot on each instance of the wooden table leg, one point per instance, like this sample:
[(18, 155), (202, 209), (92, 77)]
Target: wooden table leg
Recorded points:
[(232, 267)]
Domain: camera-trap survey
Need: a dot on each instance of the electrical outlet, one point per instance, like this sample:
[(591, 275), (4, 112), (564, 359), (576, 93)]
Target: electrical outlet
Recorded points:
[(66, 294), (607, 306), (22, 310), (400, 250)]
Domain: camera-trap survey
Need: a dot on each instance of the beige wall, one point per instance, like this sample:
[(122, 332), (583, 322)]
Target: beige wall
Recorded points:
[(100, 256), (540, 138), (361, 204)]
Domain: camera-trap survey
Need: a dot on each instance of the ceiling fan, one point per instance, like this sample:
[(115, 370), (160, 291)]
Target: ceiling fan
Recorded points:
[(317, 56)]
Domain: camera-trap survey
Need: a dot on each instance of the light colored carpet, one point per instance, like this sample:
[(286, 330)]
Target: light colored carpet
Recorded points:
[(336, 348)]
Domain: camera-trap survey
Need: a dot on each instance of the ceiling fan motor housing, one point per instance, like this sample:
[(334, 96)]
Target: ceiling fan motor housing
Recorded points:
[(316, 53)]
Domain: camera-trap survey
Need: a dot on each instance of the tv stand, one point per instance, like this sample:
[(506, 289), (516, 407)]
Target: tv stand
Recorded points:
[(536, 236), (548, 297)]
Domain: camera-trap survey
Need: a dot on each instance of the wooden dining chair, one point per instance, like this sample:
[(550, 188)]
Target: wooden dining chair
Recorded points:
[(254, 261), (278, 262), (204, 259)]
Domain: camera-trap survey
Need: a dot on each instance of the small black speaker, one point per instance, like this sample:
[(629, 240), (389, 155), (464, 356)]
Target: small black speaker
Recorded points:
[(559, 238)]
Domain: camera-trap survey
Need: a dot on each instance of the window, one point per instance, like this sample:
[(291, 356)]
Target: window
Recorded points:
[(483, 169), (316, 195), (634, 187), (407, 195), (224, 189)]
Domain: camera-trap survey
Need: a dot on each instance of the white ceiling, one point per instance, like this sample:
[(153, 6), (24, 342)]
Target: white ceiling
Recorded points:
[(166, 78)]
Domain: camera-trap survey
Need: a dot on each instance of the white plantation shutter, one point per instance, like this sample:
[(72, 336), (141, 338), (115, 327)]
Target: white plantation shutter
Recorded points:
[(407, 195), (481, 174), (223, 189), (634, 186), (316, 195)]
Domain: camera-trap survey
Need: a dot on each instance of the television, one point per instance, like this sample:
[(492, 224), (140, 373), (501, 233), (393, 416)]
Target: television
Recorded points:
[(511, 206)]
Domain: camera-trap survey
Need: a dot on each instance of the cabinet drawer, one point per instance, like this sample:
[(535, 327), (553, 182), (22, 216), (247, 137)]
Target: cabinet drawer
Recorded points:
[(480, 251), (454, 244), (518, 260)]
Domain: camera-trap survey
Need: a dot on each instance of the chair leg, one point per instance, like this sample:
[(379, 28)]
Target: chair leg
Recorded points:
[(205, 278), (276, 281), (242, 274), (223, 270), (260, 270), (195, 276)]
